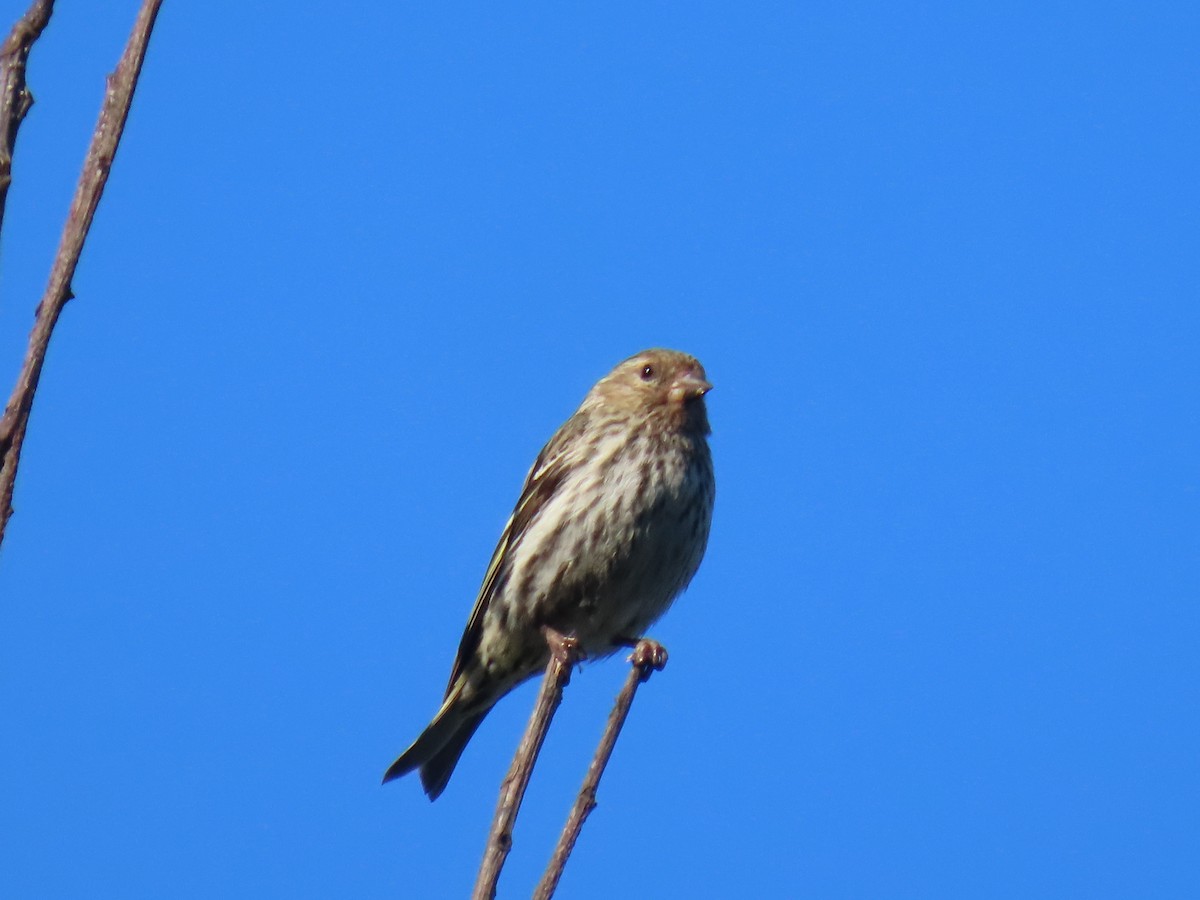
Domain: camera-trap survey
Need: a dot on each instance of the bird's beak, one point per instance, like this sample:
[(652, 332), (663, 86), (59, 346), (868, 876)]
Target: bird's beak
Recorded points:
[(690, 387)]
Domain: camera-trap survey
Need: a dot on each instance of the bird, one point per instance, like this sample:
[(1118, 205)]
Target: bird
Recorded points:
[(610, 527)]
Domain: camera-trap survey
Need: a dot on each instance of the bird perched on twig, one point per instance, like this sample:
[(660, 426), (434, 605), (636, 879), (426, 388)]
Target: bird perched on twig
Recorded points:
[(610, 527)]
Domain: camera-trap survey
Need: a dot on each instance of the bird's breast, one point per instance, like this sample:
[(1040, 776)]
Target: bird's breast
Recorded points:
[(618, 542)]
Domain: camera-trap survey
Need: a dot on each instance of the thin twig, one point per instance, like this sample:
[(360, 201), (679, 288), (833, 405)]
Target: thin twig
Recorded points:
[(563, 655), (117, 97), (15, 98), (648, 656)]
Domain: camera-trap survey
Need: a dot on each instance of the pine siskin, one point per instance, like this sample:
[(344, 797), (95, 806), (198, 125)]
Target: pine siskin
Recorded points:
[(610, 527)]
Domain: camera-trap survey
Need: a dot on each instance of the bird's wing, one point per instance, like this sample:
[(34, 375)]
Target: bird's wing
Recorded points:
[(544, 477)]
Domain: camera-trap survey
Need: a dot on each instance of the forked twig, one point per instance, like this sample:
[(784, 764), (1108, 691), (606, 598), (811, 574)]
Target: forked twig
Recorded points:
[(564, 653), (648, 656), (118, 95)]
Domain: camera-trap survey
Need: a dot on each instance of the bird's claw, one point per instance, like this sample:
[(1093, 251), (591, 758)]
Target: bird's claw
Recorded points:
[(563, 647), (649, 656)]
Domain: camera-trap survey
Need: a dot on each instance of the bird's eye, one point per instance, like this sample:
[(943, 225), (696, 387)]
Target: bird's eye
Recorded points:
[(647, 373)]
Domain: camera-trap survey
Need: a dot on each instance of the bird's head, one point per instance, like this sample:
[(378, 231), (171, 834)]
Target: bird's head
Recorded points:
[(659, 382)]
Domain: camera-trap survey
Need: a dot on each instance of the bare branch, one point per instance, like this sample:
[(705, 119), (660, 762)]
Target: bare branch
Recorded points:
[(648, 656), (563, 655), (15, 99), (117, 97)]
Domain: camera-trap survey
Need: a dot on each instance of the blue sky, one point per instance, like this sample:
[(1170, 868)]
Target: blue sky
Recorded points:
[(354, 266)]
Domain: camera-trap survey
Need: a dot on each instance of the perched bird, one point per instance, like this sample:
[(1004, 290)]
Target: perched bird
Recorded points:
[(610, 527)]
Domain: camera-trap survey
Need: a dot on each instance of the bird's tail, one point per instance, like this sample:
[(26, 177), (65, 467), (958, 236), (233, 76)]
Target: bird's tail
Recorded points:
[(439, 746)]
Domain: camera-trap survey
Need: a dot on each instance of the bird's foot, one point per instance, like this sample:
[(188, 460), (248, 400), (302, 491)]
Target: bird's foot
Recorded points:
[(649, 656), (563, 647)]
